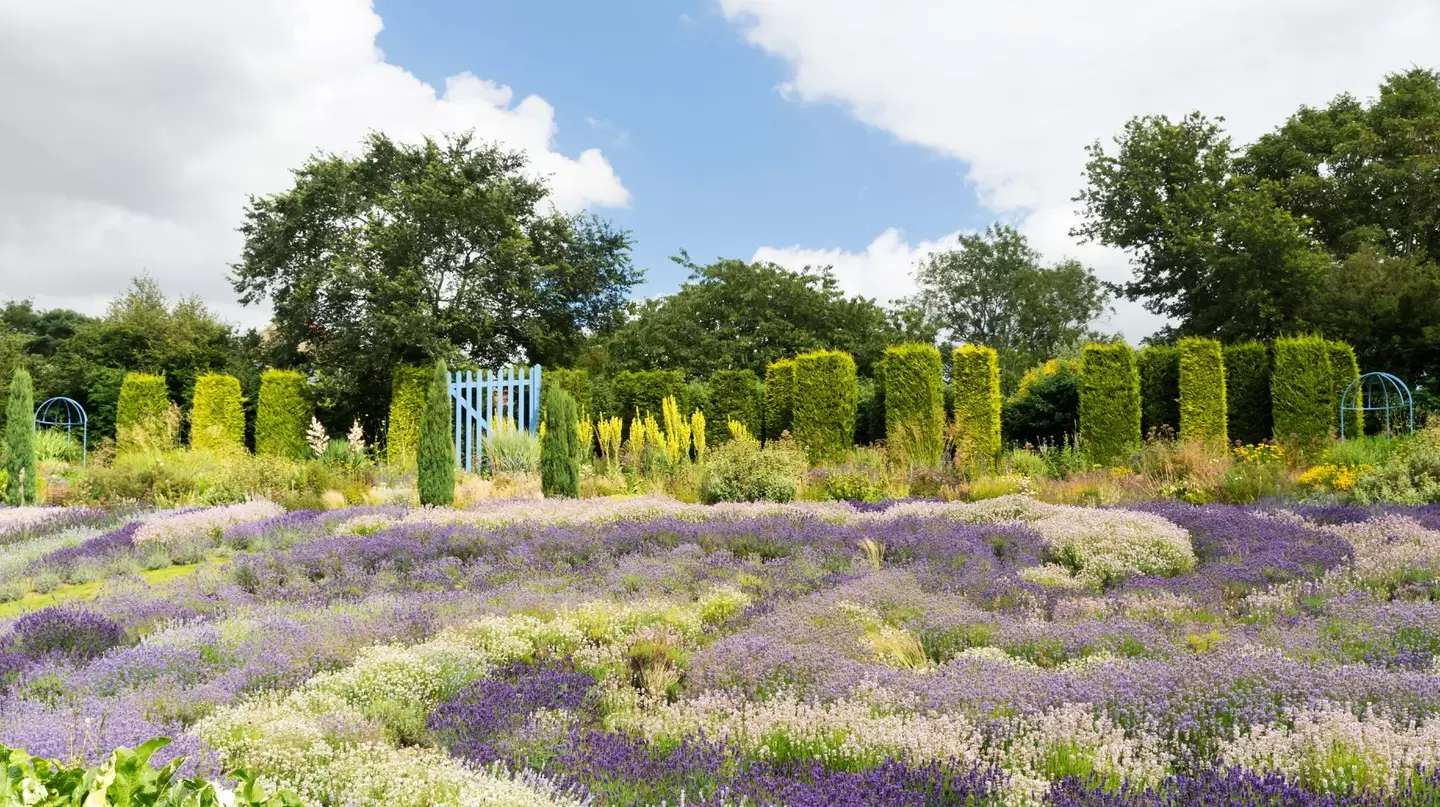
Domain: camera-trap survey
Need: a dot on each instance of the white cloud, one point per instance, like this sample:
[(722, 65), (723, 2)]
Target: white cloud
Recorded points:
[(1018, 89), (884, 271), (130, 133)]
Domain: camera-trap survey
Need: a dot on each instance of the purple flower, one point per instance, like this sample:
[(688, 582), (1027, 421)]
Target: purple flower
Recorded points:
[(78, 633)]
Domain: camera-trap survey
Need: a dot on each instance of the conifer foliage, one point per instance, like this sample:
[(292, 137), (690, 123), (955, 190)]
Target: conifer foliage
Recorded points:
[(560, 450), (436, 482), (20, 467)]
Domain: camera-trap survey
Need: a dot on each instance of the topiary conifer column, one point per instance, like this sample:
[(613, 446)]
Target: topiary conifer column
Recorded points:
[(1202, 390), (560, 450), (20, 466), (282, 415), (437, 441), (1109, 402), (217, 414)]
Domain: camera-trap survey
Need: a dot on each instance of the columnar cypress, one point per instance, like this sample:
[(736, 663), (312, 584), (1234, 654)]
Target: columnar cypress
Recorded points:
[(1344, 368), (915, 401), (217, 413), (141, 412), (1301, 393), (560, 450), (436, 481), (20, 466), (826, 392), (975, 378), (407, 401), (1247, 392), (779, 398), (1159, 367), (282, 415), (1202, 390), (1109, 402)]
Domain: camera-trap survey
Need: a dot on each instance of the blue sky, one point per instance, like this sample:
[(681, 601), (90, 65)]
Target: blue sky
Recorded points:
[(717, 160)]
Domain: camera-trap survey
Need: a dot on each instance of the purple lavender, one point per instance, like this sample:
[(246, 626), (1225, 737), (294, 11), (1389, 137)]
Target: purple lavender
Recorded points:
[(77, 633)]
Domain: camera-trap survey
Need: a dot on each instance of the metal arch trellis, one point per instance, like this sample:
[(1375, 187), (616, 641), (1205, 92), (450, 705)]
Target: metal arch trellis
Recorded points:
[(1394, 393), (68, 413)]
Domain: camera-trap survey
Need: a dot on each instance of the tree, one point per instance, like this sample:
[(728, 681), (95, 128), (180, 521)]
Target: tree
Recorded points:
[(20, 466), (993, 290), (436, 480), (415, 252), (560, 451), (733, 315)]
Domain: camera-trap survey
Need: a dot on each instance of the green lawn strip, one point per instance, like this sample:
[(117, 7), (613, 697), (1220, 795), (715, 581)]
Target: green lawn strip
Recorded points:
[(83, 592)]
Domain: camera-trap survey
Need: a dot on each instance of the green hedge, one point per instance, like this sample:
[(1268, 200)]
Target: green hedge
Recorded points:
[(1109, 402), (975, 377), (575, 382), (779, 398), (914, 387), (21, 468), (1344, 368), (870, 408), (1247, 392), (1300, 393), (645, 391), (407, 402), (1159, 367), (141, 412), (734, 395), (1202, 390), (282, 415), (826, 394), (217, 413)]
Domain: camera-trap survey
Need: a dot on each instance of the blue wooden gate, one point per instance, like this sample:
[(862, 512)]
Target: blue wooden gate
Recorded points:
[(483, 397)]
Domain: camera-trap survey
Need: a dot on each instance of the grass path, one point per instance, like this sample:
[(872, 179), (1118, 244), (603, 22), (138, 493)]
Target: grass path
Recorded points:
[(83, 592)]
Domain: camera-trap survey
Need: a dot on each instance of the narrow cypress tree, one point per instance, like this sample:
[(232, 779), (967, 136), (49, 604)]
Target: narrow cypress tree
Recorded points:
[(560, 450), (20, 467), (437, 441)]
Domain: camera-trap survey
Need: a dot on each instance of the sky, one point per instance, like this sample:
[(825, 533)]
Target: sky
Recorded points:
[(861, 134)]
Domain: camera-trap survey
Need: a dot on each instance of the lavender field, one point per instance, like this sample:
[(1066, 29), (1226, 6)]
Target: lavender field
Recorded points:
[(641, 651)]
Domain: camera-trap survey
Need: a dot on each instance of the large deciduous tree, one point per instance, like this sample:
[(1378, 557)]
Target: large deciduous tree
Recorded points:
[(414, 252)]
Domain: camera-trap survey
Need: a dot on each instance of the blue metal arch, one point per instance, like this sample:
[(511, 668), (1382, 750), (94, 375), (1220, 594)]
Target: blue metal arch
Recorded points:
[(1378, 386), (64, 412)]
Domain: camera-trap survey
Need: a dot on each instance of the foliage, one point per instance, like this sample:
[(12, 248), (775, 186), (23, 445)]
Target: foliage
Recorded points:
[(575, 382), (779, 398), (975, 378), (1343, 370), (511, 450), (738, 430), (825, 405), (915, 402), (742, 471), (54, 445), (1109, 402), (416, 251), (21, 469), (1410, 476), (560, 450), (140, 412), (407, 401), (282, 415), (610, 432), (992, 289), (1202, 390), (644, 392), (697, 431), (870, 408), (734, 395), (737, 315), (1333, 478), (1045, 409), (217, 413), (1159, 367), (1300, 392), (1247, 391), (436, 480)]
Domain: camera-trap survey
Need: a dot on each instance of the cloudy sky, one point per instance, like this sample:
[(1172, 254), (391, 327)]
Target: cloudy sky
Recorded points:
[(858, 133)]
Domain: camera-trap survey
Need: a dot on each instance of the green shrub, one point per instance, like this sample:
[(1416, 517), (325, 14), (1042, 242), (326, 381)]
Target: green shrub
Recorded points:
[(1202, 390), (1410, 476), (646, 392), (1300, 393), (510, 451), (1344, 368), (1109, 402), (21, 469), (741, 471), (53, 444), (282, 415), (436, 460), (407, 401), (575, 382), (217, 413), (915, 402), (560, 448), (1045, 408), (141, 412), (779, 398), (734, 395), (1159, 367), (1247, 392), (975, 375), (825, 401)]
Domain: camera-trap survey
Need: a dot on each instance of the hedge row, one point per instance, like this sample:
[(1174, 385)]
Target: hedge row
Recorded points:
[(646, 391), (975, 379), (1109, 402), (825, 404), (1302, 392), (1344, 368), (914, 404), (575, 382), (407, 402), (734, 395), (779, 398), (217, 413), (283, 414), (141, 413), (1159, 367), (1247, 392), (1202, 390)]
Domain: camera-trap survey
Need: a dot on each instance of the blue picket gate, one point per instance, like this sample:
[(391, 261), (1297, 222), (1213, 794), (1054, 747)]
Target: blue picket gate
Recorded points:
[(483, 397)]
